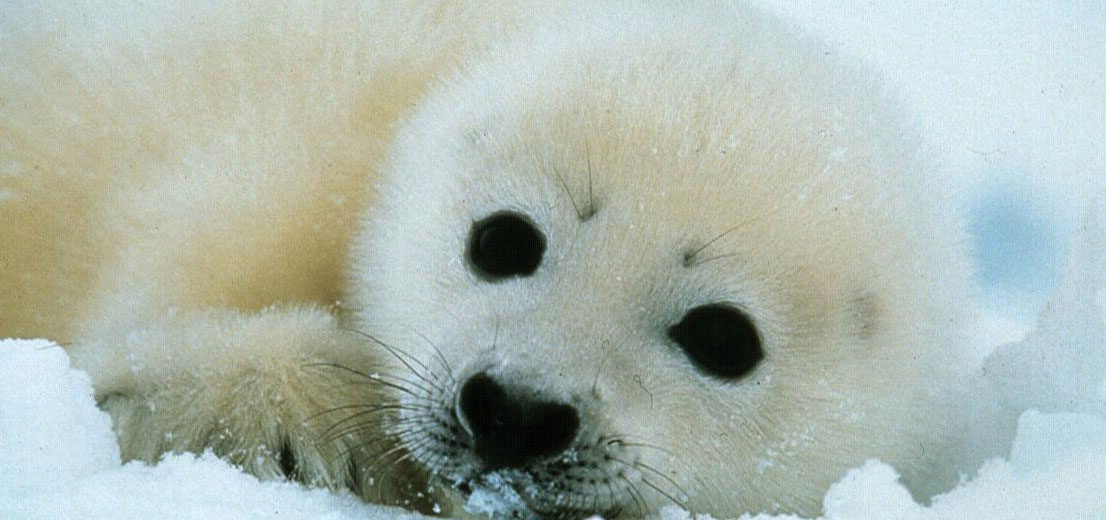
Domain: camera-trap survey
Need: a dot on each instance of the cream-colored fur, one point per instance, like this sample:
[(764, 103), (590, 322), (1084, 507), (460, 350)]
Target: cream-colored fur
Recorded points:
[(215, 205)]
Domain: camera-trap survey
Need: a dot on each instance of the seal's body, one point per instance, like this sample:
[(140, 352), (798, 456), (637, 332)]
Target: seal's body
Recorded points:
[(583, 259)]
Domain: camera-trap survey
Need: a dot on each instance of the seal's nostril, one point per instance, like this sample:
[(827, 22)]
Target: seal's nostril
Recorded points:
[(510, 431), (481, 399)]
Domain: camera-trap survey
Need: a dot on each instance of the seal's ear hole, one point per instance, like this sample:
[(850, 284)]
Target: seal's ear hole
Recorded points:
[(503, 245), (721, 340)]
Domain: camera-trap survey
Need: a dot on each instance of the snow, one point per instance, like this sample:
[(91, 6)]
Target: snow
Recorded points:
[(50, 429), (494, 495), (1011, 92), (60, 460), (1056, 470)]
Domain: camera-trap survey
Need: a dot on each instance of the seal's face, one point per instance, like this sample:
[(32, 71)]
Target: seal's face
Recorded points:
[(609, 290)]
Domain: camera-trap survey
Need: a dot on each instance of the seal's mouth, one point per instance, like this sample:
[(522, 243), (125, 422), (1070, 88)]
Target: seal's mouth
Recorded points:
[(519, 458), (498, 496), (514, 495)]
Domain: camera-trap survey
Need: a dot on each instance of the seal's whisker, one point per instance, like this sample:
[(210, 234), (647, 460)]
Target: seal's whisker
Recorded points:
[(571, 199), (376, 378), (359, 406), (622, 441), (400, 452), (386, 471), (373, 426), (646, 467), (716, 257), (364, 447), (635, 495), (358, 416), (612, 496), (441, 357), (591, 192), (678, 503), (689, 257), (404, 357)]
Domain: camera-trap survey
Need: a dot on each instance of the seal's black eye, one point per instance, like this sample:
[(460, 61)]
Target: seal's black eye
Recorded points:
[(503, 245), (721, 340)]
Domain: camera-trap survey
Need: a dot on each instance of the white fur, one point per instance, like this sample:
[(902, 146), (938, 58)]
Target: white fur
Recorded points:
[(184, 189)]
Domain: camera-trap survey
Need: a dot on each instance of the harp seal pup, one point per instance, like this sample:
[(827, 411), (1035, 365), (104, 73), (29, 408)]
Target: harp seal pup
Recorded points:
[(553, 260)]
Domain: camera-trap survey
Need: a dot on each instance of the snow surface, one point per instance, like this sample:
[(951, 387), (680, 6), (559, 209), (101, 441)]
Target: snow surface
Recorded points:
[(1011, 92)]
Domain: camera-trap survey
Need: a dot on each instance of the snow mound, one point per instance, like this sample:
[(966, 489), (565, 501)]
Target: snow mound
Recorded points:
[(60, 460), (1056, 470), (51, 432)]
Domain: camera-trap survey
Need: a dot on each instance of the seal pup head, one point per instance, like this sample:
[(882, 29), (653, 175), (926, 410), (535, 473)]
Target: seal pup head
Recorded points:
[(640, 260)]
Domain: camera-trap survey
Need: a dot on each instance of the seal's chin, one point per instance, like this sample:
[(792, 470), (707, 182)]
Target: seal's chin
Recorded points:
[(499, 495), (513, 495)]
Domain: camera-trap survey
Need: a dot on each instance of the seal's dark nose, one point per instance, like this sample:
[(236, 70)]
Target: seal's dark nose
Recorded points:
[(510, 431)]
